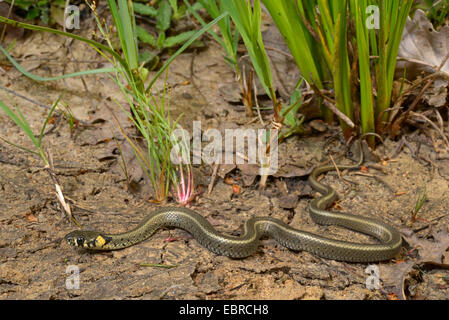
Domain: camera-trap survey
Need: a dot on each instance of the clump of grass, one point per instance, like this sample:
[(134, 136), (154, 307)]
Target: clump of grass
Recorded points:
[(148, 115), (167, 11), (247, 19), (69, 117), (319, 38), (420, 200), (152, 120), (42, 9)]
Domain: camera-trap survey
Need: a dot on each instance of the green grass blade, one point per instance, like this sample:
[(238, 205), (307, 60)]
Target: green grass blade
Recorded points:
[(363, 42), (288, 20), (144, 10), (129, 34), (62, 33), (178, 39), (64, 76), (208, 5), (389, 40), (20, 147), (21, 122), (248, 23), (341, 69), (164, 14), (145, 37), (184, 46), (41, 135)]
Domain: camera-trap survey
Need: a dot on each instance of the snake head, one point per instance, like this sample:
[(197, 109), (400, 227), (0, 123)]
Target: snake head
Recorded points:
[(87, 239)]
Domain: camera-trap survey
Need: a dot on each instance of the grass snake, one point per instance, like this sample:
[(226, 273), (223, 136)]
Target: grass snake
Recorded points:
[(257, 227)]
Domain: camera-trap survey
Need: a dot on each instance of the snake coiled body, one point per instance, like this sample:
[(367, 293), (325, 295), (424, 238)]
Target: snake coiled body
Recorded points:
[(257, 227)]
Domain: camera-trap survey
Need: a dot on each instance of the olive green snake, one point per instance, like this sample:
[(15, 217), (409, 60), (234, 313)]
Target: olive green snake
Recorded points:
[(257, 227)]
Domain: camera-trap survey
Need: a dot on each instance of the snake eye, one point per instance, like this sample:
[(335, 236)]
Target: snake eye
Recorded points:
[(80, 241)]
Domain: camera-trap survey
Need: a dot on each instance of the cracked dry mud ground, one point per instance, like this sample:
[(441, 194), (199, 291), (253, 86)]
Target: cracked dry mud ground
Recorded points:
[(34, 259)]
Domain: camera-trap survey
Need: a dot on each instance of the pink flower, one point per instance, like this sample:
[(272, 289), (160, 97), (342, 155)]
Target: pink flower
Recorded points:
[(185, 191)]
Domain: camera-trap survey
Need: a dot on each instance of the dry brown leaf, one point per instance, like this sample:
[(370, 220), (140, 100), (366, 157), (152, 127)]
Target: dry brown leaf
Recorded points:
[(424, 49), (393, 278), (423, 46), (228, 180), (430, 251), (224, 169), (288, 201), (248, 180), (30, 217)]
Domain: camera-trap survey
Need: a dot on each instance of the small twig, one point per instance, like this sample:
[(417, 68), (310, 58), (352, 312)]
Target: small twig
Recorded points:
[(426, 159), (237, 286), (279, 51), (38, 103), (192, 77), (431, 222), (50, 169), (252, 121), (212, 178), (335, 166), (440, 120), (414, 104), (400, 146), (157, 265), (398, 149), (409, 146), (67, 44), (82, 207), (379, 179), (55, 125), (257, 105), (264, 176), (448, 121), (434, 142), (339, 175), (443, 135), (8, 15), (25, 98), (281, 87), (329, 103), (44, 246), (397, 105), (376, 166)]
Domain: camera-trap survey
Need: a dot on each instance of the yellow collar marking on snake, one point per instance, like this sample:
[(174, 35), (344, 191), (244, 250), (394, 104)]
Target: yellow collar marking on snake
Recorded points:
[(100, 241)]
